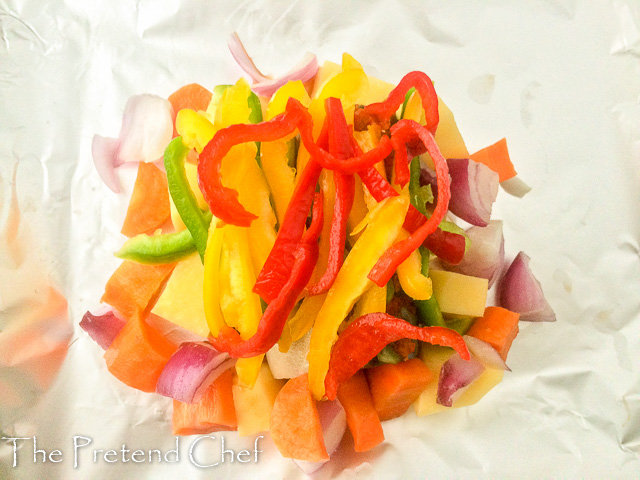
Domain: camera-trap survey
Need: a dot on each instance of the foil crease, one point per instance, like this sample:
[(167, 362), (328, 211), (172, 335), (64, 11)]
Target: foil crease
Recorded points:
[(559, 79)]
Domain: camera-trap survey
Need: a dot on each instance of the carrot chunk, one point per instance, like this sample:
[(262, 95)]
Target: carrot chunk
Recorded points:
[(149, 206), (138, 354), (193, 96), (498, 327), (134, 286), (395, 387), (213, 413), (362, 417), (295, 422), (497, 158)]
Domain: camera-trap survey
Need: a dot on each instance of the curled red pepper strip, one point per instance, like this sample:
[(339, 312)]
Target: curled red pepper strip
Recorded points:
[(424, 87), (447, 245), (384, 269), (275, 316), (366, 336), (340, 145), (277, 267), (223, 201), (352, 164)]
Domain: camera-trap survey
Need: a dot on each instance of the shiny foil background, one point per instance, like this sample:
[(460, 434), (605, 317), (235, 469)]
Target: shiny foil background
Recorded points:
[(559, 79)]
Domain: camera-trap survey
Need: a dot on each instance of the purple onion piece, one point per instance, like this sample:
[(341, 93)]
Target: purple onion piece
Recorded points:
[(103, 328), (521, 292), (191, 370), (485, 353), (485, 255), (474, 188), (456, 374)]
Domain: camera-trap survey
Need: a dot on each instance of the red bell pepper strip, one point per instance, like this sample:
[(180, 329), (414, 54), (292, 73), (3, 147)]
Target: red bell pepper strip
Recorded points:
[(275, 316), (340, 145), (277, 268), (447, 245), (383, 270), (368, 334), (223, 201), (424, 87)]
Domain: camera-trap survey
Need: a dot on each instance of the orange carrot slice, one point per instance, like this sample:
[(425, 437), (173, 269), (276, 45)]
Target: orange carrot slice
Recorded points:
[(149, 206), (192, 96), (362, 417), (295, 422), (497, 158), (134, 286), (213, 413), (395, 387), (138, 354), (498, 327)]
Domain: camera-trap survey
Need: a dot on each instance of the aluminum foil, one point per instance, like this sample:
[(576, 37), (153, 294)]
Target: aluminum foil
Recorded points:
[(560, 79)]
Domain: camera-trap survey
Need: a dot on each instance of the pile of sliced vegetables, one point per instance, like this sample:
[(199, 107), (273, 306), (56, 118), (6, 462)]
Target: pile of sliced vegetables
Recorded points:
[(315, 219)]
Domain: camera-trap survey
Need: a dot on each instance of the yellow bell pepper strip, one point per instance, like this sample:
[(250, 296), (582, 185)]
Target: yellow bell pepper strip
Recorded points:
[(249, 310), (211, 287), (413, 282), (274, 318), (228, 303), (402, 132), (373, 300), (195, 129), (275, 155), (365, 337), (351, 282), (298, 325), (182, 195), (244, 175), (340, 145)]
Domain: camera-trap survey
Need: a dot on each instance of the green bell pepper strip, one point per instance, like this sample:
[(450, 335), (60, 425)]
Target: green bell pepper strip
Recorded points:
[(159, 249), (419, 195), (185, 201), (428, 310)]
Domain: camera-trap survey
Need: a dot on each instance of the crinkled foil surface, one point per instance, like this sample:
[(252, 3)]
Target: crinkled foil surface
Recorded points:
[(560, 79)]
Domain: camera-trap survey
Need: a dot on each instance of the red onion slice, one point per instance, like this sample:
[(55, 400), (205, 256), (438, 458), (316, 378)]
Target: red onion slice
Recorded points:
[(521, 292), (305, 70), (147, 128), (333, 420), (515, 186), (104, 151), (266, 86), (485, 255), (191, 370), (455, 375), (485, 353), (474, 188), (240, 55), (103, 327)]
